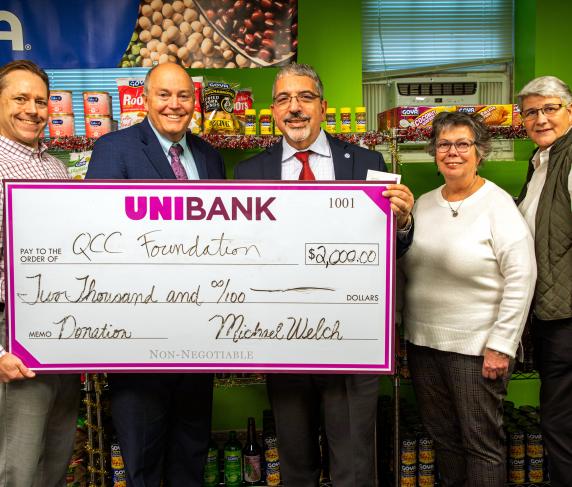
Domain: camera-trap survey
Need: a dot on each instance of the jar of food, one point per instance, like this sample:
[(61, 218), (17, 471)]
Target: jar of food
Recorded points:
[(361, 123), (345, 119), (265, 122), (250, 121), (331, 120)]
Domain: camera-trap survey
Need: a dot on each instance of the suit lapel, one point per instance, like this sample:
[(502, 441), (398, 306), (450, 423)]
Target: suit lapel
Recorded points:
[(272, 168), (154, 152), (199, 157), (343, 157)]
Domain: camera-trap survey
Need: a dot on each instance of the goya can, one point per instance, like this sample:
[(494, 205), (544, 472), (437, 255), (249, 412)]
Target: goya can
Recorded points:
[(61, 125), (535, 470), (119, 478), (408, 477), (60, 101), (516, 473), (426, 449), (516, 447), (534, 445), (273, 473), (426, 475), (97, 103), (116, 458), (408, 450), (96, 126)]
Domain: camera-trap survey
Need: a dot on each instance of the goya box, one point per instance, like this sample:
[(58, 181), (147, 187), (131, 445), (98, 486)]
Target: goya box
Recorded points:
[(410, 116), (493, 115)]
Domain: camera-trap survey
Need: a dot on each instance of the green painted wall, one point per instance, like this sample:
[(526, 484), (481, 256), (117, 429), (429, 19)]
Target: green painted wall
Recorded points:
[(330, 40)]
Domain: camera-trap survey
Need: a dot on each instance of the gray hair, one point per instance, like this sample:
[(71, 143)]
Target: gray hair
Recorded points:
[(447, 120), (296, 69), (547, 86)]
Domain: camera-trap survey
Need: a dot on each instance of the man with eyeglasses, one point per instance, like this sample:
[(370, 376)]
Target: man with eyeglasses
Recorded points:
[(348, 401), (545, 203)]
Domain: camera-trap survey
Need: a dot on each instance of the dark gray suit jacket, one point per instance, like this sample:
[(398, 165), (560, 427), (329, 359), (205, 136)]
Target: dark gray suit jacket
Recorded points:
[(351, 162)]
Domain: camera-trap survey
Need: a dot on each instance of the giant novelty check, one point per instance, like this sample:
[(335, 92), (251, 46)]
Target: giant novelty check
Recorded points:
[(204, 276)]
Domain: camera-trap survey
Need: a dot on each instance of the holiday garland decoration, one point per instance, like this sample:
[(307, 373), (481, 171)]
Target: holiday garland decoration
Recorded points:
[(248, 142)]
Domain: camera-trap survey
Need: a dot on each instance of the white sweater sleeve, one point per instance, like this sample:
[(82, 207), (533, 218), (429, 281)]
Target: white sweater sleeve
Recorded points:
[(514, 249)]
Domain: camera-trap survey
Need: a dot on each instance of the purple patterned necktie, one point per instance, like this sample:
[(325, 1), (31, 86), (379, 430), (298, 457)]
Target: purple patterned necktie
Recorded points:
[(175, 152)]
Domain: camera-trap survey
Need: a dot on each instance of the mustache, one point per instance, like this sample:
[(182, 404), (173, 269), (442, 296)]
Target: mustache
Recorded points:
[(296, 115)]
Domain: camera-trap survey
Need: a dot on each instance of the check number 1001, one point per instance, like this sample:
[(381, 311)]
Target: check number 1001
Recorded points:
[(330, 254), (341, 203)]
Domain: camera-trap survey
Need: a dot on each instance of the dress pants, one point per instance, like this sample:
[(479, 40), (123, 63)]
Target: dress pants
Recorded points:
[(163, 423), (38, 419), (348, 404), (553, 351), (463, 413)]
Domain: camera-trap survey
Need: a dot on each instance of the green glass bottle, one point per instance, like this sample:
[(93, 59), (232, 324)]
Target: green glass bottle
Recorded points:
[(232, 461), (210, 478)]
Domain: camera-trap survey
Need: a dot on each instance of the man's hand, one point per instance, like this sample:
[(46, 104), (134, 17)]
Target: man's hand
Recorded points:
[(401, 199), (495, 364), (12, 368)]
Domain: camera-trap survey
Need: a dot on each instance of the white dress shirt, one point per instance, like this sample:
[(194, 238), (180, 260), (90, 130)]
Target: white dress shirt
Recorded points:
[(321, 161), (529, 205)]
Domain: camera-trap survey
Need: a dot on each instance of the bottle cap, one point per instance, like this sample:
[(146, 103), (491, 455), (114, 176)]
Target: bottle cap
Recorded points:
[(360, 109), (331, 110)]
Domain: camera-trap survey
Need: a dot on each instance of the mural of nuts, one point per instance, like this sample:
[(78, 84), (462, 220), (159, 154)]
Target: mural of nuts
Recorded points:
[(214, 33)]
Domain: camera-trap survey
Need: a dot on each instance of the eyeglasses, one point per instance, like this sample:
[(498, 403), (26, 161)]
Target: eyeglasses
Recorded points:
[(549, 110), (462, 146), (305, 98)]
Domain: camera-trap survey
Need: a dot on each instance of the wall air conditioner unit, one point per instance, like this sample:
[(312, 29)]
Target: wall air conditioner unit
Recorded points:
[(458, 89), (468, 89)]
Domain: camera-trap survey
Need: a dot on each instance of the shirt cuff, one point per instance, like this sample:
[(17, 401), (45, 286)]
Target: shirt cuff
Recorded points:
[(403, 232), (2, 352)]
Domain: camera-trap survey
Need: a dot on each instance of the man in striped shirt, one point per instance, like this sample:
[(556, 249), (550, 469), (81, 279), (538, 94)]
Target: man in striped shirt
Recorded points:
[(37, 413)]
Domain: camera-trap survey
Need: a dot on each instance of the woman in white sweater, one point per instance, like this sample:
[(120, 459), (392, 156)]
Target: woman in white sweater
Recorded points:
[(470, 276)]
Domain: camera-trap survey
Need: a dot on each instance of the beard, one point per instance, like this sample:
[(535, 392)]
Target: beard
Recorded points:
[(297, 134)]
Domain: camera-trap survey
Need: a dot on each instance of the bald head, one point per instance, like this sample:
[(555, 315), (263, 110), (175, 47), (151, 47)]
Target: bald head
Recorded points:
[(169, 95)]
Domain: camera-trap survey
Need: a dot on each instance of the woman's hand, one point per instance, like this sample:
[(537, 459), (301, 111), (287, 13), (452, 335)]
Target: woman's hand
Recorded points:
[(495, 364)]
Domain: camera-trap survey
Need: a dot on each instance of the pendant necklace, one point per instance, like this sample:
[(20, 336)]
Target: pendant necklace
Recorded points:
[(455, 211)]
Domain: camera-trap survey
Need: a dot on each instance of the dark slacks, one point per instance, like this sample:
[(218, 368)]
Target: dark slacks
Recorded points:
[(163, 424), (348, 404), (462, 411), (553, 350)]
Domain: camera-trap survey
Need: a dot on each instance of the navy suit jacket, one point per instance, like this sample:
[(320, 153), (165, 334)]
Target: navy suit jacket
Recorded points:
[(351, 162), (135, 153)]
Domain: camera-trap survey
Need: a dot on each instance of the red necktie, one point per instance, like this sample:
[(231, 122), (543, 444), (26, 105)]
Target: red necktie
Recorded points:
[(306, 173), (175, 152)]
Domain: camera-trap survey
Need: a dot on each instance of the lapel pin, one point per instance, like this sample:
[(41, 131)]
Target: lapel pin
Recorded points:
[(347, 155)]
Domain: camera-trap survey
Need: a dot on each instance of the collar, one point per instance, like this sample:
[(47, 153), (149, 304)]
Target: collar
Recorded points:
[(167, 143), (10, 144), (540, 157), (320, 146)]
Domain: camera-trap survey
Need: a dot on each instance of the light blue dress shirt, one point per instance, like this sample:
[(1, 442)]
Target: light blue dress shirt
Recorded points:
[(187, 158)]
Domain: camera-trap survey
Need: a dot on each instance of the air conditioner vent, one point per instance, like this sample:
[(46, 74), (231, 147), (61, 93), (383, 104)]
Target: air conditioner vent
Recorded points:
[(437, 89)]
